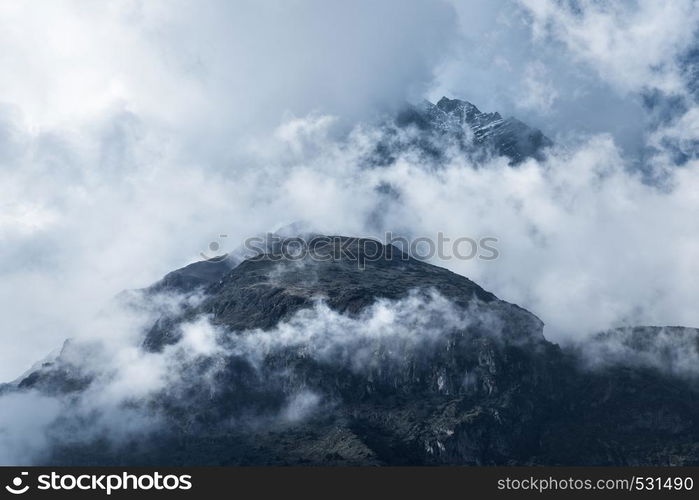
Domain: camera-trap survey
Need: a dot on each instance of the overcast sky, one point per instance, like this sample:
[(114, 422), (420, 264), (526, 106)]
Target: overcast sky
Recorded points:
[(132, 133)]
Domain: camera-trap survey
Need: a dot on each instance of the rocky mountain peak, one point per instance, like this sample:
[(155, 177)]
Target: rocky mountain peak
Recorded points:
[(476, 132)]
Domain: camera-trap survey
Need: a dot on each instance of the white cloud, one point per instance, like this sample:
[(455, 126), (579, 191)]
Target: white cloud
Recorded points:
[(538, 92), (669, 350), (23, 423), (124, 130), (633, 45)]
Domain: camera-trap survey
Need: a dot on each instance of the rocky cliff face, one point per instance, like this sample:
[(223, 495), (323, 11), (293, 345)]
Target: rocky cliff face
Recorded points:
[(356, 354), (428, 127)]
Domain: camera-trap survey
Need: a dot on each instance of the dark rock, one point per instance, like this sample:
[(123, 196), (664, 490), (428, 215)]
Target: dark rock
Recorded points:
[(457, 122), (348, 273), (196, 275)]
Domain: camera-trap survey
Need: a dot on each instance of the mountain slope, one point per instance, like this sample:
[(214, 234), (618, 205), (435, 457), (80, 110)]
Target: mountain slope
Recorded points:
[(356, 354)]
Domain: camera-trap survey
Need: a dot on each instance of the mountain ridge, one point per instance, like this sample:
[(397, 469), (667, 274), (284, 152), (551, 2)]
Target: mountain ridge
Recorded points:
[(475, 132)]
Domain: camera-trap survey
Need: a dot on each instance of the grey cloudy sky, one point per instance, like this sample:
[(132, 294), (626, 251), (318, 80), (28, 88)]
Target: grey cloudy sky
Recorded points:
[(131, 133)]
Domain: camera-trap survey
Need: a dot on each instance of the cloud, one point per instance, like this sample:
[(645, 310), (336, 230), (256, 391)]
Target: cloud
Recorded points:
[(186, 65), (400, 327), (25, 418), (538, 92), (633, 45), (670, 350), (125, 126)]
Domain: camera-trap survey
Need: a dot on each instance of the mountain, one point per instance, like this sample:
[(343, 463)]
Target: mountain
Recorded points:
[(460, 124), (354, 353)]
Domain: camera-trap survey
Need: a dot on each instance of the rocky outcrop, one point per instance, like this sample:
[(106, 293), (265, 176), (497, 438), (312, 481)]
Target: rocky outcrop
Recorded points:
[(461, 125)]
